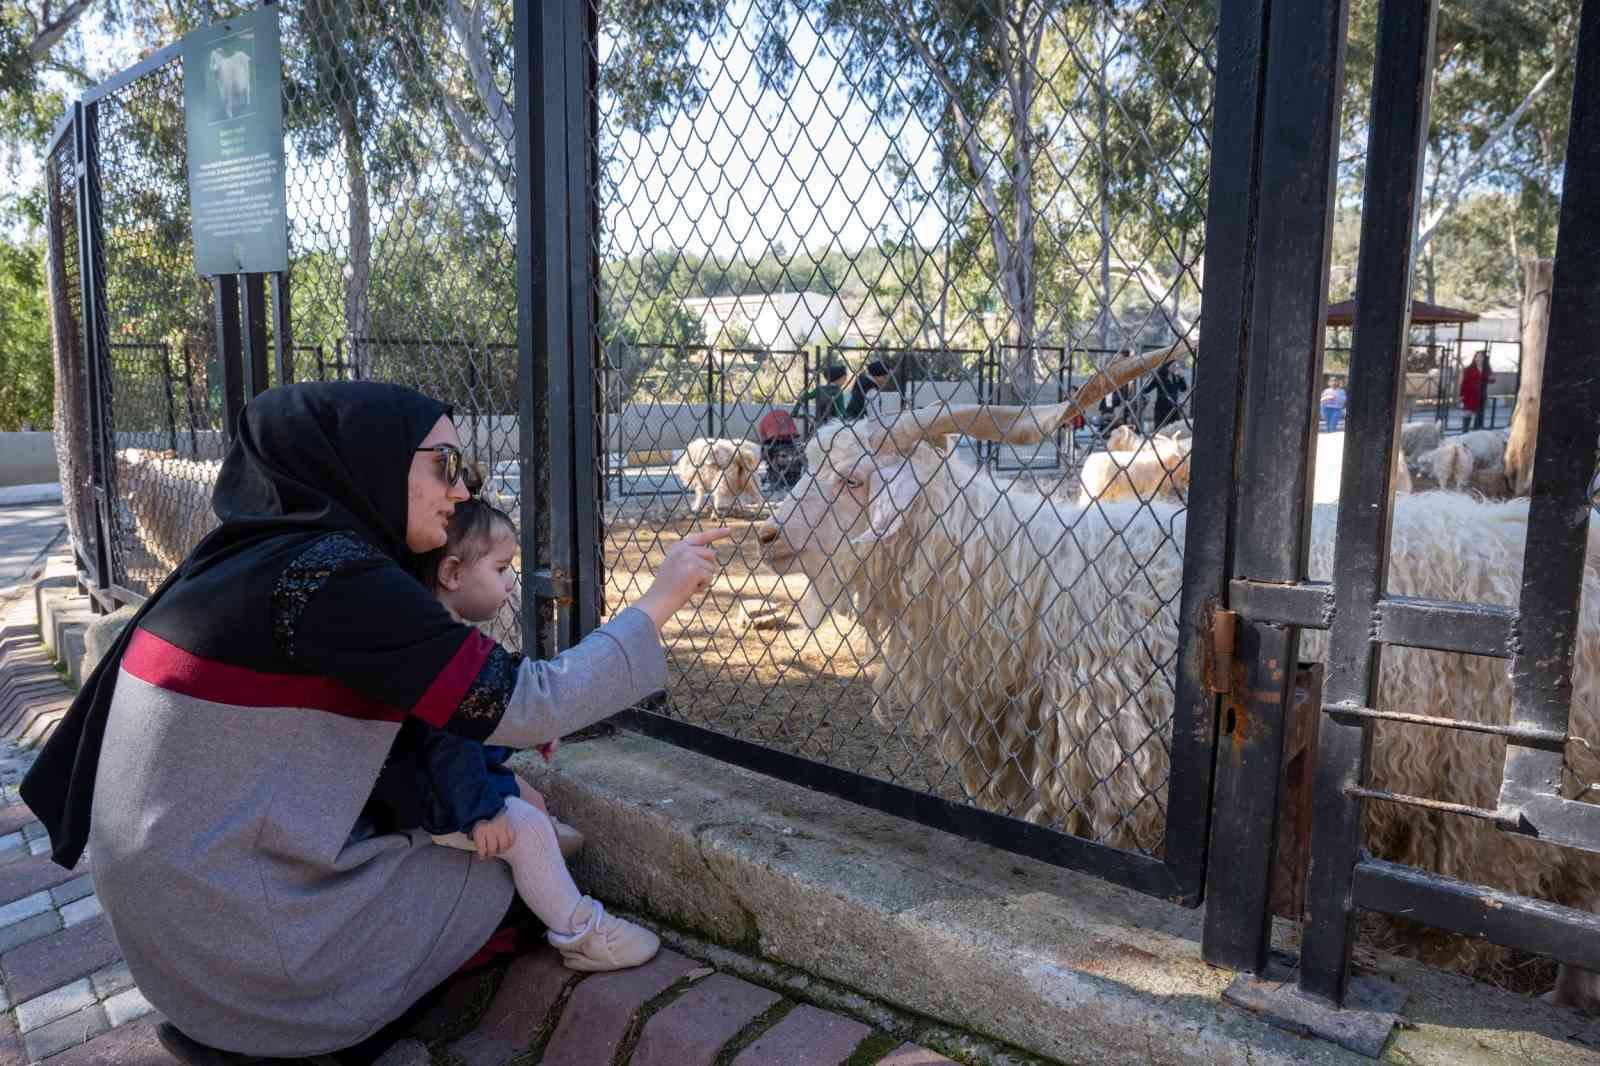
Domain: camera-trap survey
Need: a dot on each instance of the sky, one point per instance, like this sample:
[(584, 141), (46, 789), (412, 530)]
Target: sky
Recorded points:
[(756, 168)]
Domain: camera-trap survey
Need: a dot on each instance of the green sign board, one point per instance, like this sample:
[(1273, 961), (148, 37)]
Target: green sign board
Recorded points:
[(233, 109)]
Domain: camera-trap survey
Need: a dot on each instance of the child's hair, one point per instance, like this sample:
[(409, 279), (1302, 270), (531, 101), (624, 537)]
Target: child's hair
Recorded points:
[(469, 537)]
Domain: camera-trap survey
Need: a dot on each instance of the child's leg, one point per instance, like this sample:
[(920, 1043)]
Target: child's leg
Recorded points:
[(538, 869)]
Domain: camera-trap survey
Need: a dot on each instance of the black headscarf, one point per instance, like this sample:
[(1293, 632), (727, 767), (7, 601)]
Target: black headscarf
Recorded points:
[(308, 460)]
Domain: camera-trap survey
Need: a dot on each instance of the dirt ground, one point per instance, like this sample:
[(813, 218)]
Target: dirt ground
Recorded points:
[(777, 682)]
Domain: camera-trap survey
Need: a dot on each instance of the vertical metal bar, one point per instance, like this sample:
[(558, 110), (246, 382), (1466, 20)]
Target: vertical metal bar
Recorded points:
[(582, 81), (188, 393), (711, 393), (254, 333), (225, 304), (1304, 83), (1396, 142), (282, 328), (1564, 450), (96, 340), (1233, 189), (543, 300), (172, 401)]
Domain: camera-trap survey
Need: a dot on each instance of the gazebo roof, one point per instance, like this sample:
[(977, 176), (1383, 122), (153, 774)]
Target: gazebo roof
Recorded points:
[(1422, 314)]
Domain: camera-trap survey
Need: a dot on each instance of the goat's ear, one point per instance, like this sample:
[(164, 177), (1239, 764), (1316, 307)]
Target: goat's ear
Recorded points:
[(890, 503)]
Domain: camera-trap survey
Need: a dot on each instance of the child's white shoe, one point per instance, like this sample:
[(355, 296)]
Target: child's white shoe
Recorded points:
[(601, 941)]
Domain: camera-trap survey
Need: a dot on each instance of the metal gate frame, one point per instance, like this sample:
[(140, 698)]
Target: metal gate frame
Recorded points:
[(1284, 289)]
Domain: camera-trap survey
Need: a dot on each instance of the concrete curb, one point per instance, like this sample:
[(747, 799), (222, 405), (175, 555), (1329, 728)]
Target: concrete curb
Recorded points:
[(13, 495), (1059, 964)]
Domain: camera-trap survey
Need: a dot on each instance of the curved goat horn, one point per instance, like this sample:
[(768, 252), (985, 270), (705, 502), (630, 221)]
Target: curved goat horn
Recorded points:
[(1022, 425)]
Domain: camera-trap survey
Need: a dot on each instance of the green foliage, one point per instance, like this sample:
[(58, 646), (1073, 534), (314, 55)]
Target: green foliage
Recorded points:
[(26, 380)]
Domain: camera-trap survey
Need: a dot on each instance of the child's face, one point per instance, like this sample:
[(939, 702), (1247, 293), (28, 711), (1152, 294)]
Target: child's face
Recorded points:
[(477, 590)]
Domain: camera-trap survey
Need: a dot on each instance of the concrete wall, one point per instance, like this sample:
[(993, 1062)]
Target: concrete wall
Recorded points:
[(28, 459)]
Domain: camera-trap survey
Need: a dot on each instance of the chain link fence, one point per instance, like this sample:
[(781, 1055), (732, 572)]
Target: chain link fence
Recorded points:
[(816, 217), (809, 222)]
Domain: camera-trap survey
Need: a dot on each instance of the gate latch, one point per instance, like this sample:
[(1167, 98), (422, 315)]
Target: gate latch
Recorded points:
[(1220, 651)]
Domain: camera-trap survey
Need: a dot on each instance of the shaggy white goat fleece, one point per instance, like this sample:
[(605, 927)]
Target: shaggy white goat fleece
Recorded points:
[(726, 469), (170, 500), (1037, 641)]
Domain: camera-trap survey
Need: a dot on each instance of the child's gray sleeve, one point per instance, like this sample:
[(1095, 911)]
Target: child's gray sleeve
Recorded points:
[(611, 669)]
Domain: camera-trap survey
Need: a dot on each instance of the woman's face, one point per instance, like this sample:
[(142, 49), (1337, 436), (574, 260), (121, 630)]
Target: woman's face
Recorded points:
[(429, 501)]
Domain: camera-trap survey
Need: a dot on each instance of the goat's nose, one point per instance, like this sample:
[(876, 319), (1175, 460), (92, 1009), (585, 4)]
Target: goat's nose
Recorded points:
[(767, 532)]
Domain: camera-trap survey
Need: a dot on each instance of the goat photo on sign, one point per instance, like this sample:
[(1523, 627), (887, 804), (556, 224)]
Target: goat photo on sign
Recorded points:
[(232, 68)]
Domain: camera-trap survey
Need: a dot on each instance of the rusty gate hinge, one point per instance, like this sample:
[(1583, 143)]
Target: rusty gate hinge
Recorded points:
[(1223, 626)]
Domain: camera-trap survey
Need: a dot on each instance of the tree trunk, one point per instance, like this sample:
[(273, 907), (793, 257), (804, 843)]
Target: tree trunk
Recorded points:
[(1537, 277), (359, 219), (1105, 202)]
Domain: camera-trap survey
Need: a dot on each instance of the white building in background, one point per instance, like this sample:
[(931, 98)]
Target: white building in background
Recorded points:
[(774, 320)]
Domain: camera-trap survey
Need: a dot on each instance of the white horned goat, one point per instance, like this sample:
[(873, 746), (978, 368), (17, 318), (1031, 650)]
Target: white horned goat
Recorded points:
[(725, 469), (1033, 640), (170, 500), (232, 72)]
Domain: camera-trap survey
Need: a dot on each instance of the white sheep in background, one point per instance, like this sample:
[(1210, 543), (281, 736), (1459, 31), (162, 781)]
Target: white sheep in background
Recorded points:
[(1158, 468), (233, 79), (1419, 437), (726, 469), (1143, 469), (170, 500), (1035, 639), (1450, 465), (1457, 462)]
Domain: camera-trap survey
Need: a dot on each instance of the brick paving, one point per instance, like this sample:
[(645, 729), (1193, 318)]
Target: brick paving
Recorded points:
[(67, 998)]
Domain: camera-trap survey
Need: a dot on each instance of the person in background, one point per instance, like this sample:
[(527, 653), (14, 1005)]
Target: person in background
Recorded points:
[(866, 395), (1168, 386), (1332, 401), (829, 396), (1475, 391)]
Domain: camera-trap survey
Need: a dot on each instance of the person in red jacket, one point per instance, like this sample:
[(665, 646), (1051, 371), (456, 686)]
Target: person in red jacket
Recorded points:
[(1475, 390)]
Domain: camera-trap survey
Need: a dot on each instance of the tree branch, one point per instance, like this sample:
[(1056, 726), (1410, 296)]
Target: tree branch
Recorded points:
[(475, 145), (48, 37), (470, 30), (987, 195), (1469, 171)]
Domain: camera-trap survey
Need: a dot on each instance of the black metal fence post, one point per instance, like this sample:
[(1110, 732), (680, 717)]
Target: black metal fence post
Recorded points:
[(1395, 146), (1559, 512), (1223, 354), (230, 356), (282, 328), (253, 332), (96, 339), (1304, 84)]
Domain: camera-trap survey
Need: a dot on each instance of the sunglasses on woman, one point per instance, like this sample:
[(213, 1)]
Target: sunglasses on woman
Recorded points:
[(454, 466)]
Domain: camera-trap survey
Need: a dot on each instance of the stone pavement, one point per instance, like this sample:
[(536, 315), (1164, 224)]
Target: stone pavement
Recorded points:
[(67, 999), (26, 532)]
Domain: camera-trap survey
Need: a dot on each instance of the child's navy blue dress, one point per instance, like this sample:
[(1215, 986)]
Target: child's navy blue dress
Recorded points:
[(439, 782)]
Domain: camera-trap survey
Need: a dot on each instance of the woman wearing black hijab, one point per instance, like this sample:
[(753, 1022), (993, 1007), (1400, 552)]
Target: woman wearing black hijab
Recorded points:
[(218, 760)]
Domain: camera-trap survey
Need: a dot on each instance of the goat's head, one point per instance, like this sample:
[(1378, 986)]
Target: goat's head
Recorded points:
[(864, 478)]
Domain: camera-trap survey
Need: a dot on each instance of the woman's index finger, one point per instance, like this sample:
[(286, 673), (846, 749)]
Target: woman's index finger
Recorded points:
[(708, 536)]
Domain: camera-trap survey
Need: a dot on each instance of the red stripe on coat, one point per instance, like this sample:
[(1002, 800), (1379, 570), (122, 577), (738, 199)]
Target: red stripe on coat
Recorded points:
[(445, 694), (169, 667)]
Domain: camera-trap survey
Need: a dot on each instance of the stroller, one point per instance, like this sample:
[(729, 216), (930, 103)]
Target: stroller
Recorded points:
[(785, 456)]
